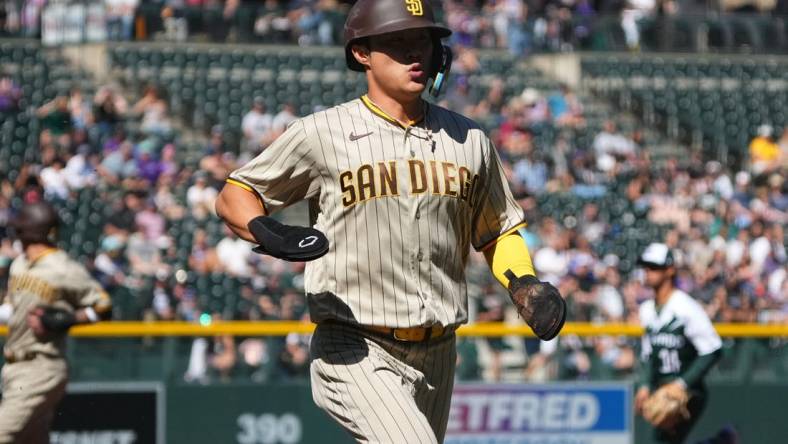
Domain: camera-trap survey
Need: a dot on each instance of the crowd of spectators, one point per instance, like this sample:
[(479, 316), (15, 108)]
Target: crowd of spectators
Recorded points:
[(126, 152), (727, 225), (520, 26)]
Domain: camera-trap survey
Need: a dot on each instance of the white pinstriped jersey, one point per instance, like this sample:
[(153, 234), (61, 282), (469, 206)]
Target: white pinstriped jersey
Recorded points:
[(399, 205)]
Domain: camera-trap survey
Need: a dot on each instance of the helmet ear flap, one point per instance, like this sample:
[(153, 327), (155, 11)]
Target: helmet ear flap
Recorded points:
[(437, 55), (441, 61)]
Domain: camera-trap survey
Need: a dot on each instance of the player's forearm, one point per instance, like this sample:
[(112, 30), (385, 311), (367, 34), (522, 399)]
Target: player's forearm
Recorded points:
[(539, 304), (698, 369), (237, 207), (644, 374), (509, 253)]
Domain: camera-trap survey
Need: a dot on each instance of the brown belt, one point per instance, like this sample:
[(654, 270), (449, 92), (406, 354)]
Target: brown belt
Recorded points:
[(12, 358), (411, 334)]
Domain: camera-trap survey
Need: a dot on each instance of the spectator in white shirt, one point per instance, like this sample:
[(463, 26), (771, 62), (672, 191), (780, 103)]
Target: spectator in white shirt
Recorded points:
[(283, 118), (200, 197), (552, 261), (609, 145), (233, 253), (53, 179), (256, 126), (78, 171)]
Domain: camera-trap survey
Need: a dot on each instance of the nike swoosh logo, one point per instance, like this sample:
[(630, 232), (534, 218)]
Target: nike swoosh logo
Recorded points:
[(354, 137)]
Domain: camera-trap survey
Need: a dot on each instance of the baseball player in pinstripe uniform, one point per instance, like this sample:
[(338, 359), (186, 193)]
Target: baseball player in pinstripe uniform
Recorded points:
[(399, 190), (47, 294)]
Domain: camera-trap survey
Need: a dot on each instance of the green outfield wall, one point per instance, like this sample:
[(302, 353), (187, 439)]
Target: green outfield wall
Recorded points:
[(284, 413)]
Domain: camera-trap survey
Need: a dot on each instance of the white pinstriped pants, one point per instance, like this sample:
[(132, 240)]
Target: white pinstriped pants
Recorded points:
[(381, 390)]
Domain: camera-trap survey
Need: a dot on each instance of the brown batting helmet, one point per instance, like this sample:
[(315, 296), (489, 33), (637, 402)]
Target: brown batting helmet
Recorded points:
[(36, 223), (375, 17)]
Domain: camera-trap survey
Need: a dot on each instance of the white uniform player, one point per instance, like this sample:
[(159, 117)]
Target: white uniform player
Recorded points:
[(679, 345)]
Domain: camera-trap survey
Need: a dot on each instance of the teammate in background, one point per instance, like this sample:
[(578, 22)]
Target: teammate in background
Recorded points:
[(47, 293), (679, 347), (399, 190)]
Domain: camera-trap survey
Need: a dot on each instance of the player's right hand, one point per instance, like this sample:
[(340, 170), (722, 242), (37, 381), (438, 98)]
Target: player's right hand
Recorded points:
[(36, 326), (295, 244)]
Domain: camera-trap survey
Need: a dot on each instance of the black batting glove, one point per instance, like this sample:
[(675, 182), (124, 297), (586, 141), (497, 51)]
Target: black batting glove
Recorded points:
[(295, 244), (57, 320)]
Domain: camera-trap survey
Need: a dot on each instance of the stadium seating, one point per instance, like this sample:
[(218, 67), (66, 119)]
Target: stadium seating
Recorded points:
[(717, 102), (729, 33), (41, 75), (209, 85), (213, 85)]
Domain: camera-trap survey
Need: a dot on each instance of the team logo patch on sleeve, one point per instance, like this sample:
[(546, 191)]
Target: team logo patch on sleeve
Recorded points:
[(414, 7)]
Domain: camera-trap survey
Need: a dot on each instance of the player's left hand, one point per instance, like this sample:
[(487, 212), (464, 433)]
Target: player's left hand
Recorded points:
[(667, 406)]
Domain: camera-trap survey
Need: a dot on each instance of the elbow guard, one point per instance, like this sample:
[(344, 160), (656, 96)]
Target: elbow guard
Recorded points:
[(295, 244)]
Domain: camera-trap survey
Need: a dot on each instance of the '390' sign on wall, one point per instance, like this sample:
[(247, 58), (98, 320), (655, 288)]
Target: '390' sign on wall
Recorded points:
[(269, 428)]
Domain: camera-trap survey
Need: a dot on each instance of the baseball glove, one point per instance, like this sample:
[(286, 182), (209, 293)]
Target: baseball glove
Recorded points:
[(667, 406), (539, 303), (296, 244)]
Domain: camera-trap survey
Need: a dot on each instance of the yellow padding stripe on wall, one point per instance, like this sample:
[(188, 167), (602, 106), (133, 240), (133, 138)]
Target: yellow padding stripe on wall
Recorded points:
[(282, 328)]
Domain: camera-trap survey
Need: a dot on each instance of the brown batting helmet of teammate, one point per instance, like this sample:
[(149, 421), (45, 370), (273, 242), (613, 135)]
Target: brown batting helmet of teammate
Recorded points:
[(375, 17), (36, 223)]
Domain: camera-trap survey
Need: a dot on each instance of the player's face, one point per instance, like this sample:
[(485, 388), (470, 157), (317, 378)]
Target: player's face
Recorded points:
[(400, 61), (655, 276)]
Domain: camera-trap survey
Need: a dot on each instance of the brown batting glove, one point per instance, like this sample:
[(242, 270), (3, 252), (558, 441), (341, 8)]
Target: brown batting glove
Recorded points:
[(539, 304), (667, 406)]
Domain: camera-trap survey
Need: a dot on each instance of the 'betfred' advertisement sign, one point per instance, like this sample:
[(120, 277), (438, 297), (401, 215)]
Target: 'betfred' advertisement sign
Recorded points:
[(540, 414)]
